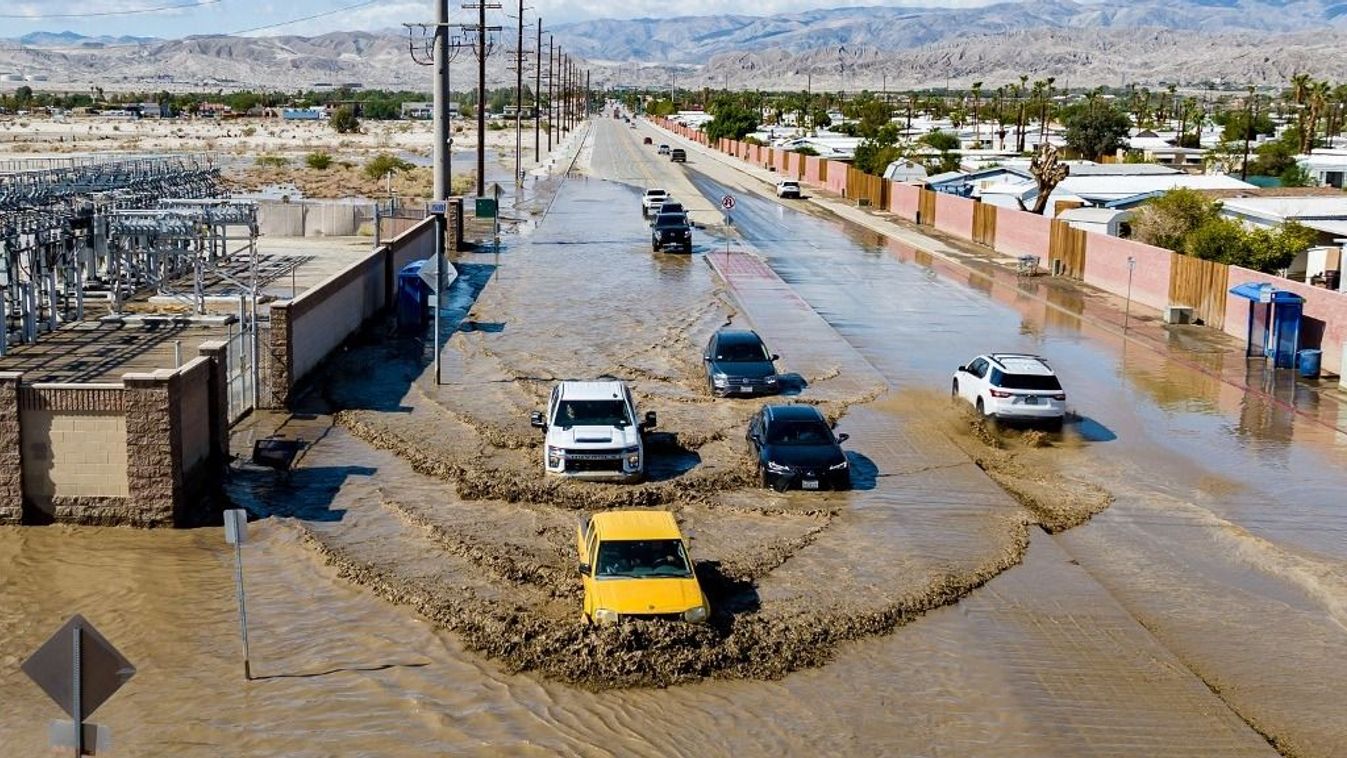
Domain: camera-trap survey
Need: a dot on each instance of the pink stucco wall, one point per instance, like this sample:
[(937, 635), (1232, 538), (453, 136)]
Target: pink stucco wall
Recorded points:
[(837, 177), (1021, 233), (903, 200), (954, 215), (1321, 305), (1106, 268), (812, 169)]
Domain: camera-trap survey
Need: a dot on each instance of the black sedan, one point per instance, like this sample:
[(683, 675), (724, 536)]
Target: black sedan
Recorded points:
[(795, 447), (671, 230), (737, 363)]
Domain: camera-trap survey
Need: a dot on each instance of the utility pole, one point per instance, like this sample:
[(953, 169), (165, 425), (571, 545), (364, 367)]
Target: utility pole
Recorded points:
[(1248, 134), (519, 102), (551, 93), (443, 168), (537, 97), (483, 32)]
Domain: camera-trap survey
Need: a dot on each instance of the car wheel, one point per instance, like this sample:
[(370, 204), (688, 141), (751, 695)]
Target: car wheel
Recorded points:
[(982, 410), (954, 389), (654, 247), (1055, 425)]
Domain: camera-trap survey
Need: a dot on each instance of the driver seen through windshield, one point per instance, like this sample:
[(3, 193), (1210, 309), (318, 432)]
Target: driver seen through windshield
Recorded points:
[(642, 558), (592, 413)]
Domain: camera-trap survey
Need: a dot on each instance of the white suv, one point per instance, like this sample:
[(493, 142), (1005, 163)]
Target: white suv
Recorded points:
[(788, 188), (592, 432), (1011, 386), (652, 200)]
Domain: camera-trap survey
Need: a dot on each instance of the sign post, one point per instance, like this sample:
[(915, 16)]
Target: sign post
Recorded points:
[(236, 533), (79, 670), (727, 204)]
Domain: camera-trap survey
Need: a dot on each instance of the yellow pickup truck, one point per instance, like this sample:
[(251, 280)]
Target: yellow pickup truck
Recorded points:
[(635, 564)]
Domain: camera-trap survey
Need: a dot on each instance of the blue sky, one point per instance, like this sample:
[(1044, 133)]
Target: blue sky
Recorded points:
[(18, 17)]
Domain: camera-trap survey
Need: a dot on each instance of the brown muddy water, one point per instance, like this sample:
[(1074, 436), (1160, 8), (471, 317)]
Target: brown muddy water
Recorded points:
[(411, 585)]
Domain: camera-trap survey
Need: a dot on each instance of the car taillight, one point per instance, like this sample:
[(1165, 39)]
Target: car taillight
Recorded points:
[(1059, 396), (1000, 393)]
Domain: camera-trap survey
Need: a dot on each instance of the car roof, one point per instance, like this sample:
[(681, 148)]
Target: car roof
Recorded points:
[(793, 413), (610, 390), (788, 181), (738, 335), (635, 525), (1021, 363)]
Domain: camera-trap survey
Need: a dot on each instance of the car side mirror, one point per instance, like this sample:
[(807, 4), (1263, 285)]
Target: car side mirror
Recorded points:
[(964, 369), (843, 438), (651, 420), (584, 569), (536, 420), (706, 358), (776, 357)]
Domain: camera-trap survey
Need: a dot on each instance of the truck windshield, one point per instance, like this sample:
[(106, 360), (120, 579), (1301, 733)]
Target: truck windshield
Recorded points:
[(638, 559), (592, 413)]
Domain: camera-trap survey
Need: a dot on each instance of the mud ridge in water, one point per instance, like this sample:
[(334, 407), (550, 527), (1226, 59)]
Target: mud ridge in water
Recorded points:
[(640, 653)]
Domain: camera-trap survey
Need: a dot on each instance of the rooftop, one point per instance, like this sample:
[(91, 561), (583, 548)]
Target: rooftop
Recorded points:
[(794, 412), (636, 525), (574, 390), (1023, 364)]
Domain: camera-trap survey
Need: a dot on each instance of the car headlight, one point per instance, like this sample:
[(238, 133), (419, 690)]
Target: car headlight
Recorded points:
[(632, 456), (839, 466), (777, 468), (720, 380), (770, 380), (696, 615), (553, 456), (605, 616)]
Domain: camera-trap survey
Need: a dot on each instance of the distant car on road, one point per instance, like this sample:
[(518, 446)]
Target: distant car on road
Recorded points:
[(795, 447), (663, 150), (635, 565), (652, 200), (738, 363), (592, 433), (788, 188), (671, 230), (1011, 387), (678, 155)]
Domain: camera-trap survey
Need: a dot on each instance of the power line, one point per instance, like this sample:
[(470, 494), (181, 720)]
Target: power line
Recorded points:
[(97, 14)]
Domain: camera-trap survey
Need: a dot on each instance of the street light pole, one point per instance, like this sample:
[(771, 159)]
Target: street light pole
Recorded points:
[(519, 102), (537, 97)]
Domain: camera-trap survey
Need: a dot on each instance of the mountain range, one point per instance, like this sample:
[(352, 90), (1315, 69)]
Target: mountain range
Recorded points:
[(1083, 44)]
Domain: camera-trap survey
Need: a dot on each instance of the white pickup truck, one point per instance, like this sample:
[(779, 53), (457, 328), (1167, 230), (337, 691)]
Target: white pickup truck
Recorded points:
[(592, 432), (652, 200)]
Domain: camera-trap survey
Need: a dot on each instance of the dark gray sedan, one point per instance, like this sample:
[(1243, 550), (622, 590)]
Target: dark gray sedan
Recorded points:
[(737, 363)]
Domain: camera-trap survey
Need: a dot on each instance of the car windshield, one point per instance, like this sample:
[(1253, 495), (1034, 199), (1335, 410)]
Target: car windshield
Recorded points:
[(639, 559), (799, 433), (742, 352), (656, 193), (790, 185), (1025, 381), (592, 413), (671, 221)]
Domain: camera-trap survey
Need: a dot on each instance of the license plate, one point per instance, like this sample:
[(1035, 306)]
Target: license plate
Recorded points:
[(1031, 400), (809, 484)]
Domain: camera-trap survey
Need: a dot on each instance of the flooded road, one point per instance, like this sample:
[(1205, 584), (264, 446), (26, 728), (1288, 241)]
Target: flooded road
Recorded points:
[(429, 496)]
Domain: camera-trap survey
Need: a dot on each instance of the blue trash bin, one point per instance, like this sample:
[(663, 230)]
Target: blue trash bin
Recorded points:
[(413, 298), (1310, 361)]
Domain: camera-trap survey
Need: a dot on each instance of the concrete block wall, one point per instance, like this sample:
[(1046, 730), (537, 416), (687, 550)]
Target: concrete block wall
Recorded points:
[(154, 451), (1019, 233), (954, 215), (1106, 268), (11, 450)]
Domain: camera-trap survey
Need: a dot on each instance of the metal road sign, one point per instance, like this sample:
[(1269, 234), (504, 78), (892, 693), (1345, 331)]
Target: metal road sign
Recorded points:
[(438, 207), (80, 684), (727, 202)]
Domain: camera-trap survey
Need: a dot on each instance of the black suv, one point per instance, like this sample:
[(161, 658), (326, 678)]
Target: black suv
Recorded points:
[(678, 155), (671, 230), (738, 363), (795, 447)]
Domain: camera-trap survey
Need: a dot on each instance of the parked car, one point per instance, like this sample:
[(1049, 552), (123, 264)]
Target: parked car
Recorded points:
[(788, 188), (663, 149), (636, 565), (653, 199), (1011, 387), (671, 230), (678, 155), (592, 433), (738, 363), (795, 447), (647, 141)]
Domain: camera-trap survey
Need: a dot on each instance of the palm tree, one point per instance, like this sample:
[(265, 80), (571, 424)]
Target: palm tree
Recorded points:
[(977, 122), (1300, 92), (1318, 96), (1022, 120)]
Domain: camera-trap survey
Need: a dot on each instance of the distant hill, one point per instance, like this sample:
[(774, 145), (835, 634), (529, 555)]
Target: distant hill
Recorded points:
[(1083, 44)]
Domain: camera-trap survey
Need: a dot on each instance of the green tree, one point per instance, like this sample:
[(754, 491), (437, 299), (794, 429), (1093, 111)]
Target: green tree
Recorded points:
[(1276, 156), (343, 120), (1096, 129), (732, 121), (385, 163), (1295, 175), (662, 107), (1166, 221), (319, 161), (23, 96)]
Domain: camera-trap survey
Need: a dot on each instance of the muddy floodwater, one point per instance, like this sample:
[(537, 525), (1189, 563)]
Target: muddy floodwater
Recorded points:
[(412, 584)]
